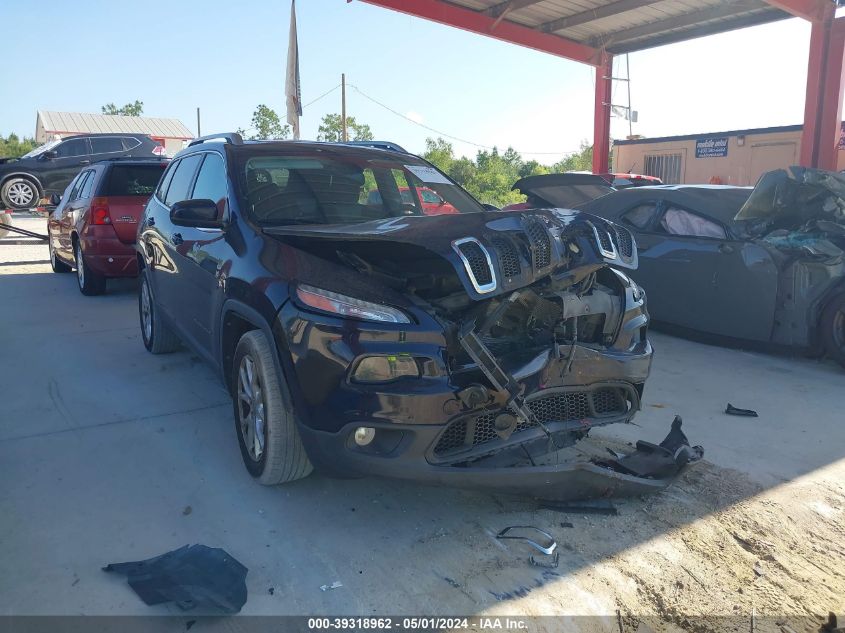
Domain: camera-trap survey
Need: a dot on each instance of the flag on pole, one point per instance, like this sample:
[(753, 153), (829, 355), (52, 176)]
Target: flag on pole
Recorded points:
[(292, 87)]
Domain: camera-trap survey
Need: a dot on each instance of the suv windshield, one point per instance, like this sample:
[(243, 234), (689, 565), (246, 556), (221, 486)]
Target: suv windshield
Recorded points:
[(42, 148), (279, 189)]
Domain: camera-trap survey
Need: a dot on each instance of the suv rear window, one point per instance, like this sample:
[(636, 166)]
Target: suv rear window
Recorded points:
[(132, 180), (106, 144)]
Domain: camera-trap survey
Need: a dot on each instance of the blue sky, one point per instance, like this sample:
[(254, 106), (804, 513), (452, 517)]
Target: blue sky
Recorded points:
[(227, 57)]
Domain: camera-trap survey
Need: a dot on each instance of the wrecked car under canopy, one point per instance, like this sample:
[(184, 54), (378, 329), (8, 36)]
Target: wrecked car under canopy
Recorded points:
[(517, 338)]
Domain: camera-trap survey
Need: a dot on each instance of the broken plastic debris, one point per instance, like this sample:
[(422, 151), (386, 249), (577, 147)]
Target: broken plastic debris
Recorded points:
[(336, 584), (550, 562), (547, 547), (748, 413), (659, 461), (191, 576)]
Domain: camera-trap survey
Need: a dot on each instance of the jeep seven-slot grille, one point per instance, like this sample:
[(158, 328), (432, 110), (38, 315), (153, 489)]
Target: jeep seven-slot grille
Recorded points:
[(468, 433), (604, 239), (624, 242), (508, 257), (477, 261), (541, 243)]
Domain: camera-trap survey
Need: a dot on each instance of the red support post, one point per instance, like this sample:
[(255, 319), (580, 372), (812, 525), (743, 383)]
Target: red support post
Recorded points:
[(825, 86), (601, 114)]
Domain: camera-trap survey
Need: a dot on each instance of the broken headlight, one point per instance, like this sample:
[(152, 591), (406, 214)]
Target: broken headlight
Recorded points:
[(385, 368), (349, 307)]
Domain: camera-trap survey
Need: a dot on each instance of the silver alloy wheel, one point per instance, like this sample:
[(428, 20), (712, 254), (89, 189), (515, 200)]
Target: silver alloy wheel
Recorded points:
[(251, 408), (146, 312), (80, 267), (21, 194)]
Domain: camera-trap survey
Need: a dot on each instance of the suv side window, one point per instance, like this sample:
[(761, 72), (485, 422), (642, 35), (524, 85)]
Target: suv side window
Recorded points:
[(183, 176), (161, 192), (211, 182), (73, 147), (106, 144), (88, 185), (77, 185), (129, 142)]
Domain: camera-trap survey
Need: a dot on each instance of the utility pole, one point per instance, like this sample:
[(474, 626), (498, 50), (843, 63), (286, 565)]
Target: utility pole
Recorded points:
[(630, 109), (344, 135), (199, 130)]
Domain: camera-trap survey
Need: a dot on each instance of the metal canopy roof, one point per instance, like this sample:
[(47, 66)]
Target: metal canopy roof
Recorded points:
[(583, 30), (623, 26)]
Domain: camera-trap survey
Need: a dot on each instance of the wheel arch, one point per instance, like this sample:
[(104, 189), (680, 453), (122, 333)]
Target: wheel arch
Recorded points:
[(236, 319)]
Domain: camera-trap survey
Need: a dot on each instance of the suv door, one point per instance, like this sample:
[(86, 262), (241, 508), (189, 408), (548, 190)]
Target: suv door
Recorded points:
[(70, 157), (201, 256), (162, 241)]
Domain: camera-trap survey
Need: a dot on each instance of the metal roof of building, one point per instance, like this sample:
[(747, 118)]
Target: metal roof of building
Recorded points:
[(82, 123), (616, 26)]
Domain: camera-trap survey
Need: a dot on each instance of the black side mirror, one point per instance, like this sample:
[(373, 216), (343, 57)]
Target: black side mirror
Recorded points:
[(55, 199), (201, 213)]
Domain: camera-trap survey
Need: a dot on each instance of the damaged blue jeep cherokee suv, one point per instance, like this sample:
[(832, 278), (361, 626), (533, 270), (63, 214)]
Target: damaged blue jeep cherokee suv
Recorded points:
[(361, 335)]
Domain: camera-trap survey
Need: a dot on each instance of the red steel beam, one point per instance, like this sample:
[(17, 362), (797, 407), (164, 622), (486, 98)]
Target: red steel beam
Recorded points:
[(601, 115), (833, 90), (475, 22), (813, 10)]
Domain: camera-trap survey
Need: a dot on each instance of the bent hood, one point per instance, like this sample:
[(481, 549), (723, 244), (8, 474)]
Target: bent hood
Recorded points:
[(790, 198), (492, 253)]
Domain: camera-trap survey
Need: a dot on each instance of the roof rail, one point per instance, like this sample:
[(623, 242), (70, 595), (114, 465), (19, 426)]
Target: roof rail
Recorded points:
[(231, 137), (379, 145)]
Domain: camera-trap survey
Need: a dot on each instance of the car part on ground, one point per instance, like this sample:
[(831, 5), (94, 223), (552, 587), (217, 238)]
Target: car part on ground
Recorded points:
[(193, 577), (527, 534), (359, 334), (732, 410)]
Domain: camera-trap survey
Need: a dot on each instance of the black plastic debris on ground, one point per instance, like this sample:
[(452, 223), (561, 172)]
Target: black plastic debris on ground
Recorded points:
[(748, 413), (658, 461), (587, 506), (193, 576)]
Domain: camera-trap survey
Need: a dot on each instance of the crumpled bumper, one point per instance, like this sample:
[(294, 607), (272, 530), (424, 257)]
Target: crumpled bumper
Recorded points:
[(404, 458)]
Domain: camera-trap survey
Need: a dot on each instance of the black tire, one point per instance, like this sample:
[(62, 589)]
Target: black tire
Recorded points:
[(282, 457), (19, 193), (90, 283), (832, 329), (56, 264), (158, 337)]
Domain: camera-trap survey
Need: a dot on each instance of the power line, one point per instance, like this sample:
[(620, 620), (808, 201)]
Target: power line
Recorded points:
[(441, 133), (325, 94)]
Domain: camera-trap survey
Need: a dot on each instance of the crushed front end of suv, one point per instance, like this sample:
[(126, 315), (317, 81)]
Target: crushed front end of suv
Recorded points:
[(360, 335)]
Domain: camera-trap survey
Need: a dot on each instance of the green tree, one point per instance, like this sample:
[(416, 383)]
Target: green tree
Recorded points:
[(266, 125), (439, 153), (12, 146), (331, 129), (130, 109), (582, 160)]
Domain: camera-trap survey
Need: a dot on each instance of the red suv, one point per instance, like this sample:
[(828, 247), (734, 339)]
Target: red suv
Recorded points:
[(94, 225)]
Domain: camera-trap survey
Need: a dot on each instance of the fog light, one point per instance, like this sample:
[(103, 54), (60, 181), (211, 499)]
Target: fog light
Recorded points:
[(385, 368), (364, 435)]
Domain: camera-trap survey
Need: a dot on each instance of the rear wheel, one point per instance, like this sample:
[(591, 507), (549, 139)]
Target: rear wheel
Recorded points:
[(90, 283), (270, 445), (832, 326), (19, 193), (158, 337)]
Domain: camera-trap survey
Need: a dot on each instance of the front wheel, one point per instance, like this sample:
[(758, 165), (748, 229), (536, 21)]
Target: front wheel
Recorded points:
[(832, 326), (270, 444), (157, 335)]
